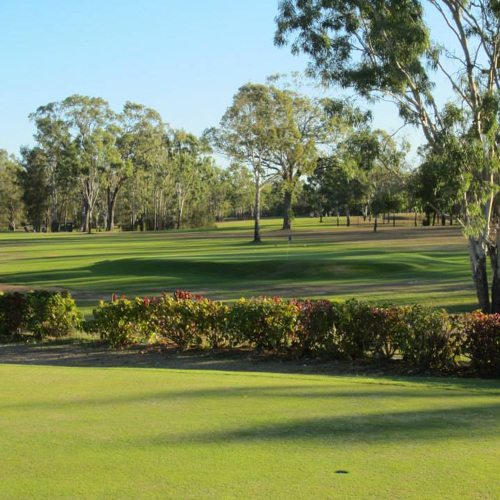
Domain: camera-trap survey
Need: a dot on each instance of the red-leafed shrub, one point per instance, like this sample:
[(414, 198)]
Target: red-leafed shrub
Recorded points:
[(481, 342), (315, 333)]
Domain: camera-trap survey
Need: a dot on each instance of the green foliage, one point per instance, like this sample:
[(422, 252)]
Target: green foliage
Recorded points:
[(316, 328), (115, 322), (481, 343), (428, 340), (43, 313), (265, 323), (353, 334), (11, 204), (52, 314), (424, 338)]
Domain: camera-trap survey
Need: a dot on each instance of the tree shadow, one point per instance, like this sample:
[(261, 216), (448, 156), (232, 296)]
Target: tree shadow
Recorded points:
[(464, 423)]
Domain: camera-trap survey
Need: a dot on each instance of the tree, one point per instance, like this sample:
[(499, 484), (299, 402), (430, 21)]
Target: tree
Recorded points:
[(36, 185), (366, 174), (11, 205), (245, 135), (188, 160), (383, 49), (85, 124), (241, 193), (139, 142), (298, 126)]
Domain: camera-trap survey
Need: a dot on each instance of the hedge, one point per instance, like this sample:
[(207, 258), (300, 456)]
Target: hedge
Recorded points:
[(419, 338)]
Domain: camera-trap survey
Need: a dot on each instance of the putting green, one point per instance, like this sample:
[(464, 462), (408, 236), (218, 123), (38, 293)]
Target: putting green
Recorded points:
[(402, 264)]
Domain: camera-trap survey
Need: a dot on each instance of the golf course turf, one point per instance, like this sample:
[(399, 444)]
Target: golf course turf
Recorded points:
[(428, 265), (81, 421), (118, 433)]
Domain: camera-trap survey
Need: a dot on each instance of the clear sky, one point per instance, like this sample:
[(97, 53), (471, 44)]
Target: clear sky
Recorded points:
[(184, 59)]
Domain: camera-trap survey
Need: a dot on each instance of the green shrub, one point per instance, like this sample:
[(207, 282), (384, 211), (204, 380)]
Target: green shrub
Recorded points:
[(176, 321), (188, 320), (428, 340), (115, 322), (386, 324), (41, 312), (51, 314), (211, 319), (265, 323), (353, 329), (481, 342)]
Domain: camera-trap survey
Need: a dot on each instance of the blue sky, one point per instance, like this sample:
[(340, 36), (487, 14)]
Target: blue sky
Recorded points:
[(184, 59)]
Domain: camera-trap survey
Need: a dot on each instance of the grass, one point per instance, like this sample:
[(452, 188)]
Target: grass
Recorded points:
[(401, 264), (88, 432), (95, 433)]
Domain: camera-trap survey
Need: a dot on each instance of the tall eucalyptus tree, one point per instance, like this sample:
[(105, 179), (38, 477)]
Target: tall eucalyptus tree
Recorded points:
[(384, 49)]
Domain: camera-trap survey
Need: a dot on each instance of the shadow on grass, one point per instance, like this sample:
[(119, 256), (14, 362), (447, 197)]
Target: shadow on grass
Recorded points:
[(275, 269), (464, 423), (89, 353)]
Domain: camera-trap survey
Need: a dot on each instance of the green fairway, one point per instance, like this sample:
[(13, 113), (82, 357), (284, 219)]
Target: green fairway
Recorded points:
[(402, 264), (95, 433)]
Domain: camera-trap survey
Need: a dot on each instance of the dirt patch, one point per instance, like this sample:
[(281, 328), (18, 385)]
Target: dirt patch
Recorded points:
[(91, 354)]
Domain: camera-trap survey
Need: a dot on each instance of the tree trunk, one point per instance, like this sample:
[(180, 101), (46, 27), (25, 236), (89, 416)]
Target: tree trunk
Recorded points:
[(479, 274), (375, 224), (394, 220), (348, 217), (287, 223), (256, 233), (112, 196), (495, 284), (415, 223), (88, 221)]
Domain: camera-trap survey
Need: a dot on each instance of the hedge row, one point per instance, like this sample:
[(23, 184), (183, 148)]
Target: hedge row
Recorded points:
[(421, 338), (43, 313)]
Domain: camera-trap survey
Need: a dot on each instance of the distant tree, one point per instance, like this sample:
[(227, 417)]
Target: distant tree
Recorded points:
[(85, 124), (241, 193), (11, 204), (245, 135), (36, 187), (299, 126), (365, 174), (140, 135)]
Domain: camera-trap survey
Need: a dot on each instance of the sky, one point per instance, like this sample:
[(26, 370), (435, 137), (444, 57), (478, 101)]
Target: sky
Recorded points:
[(184, 59)]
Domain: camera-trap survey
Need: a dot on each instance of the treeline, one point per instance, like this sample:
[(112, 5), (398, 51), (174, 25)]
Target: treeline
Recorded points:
[(92, 167)]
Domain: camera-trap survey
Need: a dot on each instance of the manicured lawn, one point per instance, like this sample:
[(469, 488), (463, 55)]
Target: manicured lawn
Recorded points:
[(118, 433), (402, 264)]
